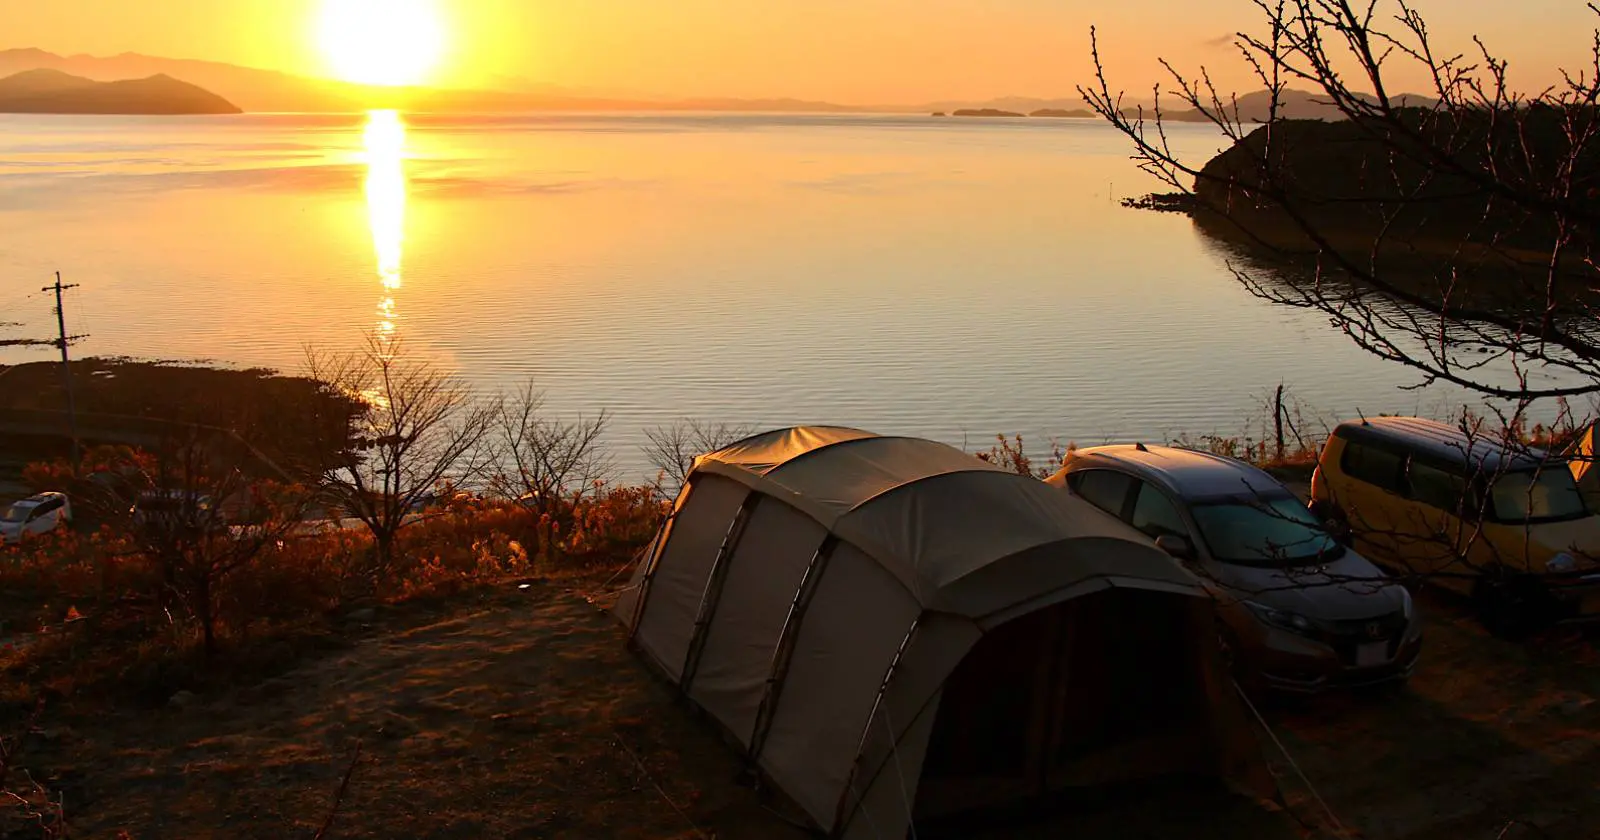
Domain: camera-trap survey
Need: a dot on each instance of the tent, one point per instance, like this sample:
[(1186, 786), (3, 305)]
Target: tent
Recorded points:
[(895, 633)]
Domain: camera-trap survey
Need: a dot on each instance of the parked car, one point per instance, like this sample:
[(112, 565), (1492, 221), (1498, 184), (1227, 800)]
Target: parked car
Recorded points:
[(35, 516), (1299, 611), (175, 512), (1511, 529)]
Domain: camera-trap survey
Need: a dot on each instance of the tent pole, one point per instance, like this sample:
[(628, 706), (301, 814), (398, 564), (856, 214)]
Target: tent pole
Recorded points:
[(784, 650), (658, 545), (712, 594), (866, 729)]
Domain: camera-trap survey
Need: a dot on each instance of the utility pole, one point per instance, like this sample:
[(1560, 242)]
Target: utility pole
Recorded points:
[(66, 365)]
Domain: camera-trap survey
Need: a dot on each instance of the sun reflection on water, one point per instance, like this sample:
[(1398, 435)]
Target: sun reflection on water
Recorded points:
[(385, 142)]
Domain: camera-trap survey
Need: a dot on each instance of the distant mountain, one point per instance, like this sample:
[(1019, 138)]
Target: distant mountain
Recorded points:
[(249, 88), (984, 112), (1021, 104), (41, 82), (1253, 107), (55, 92), (754, 105), (259, 90), (1292, 105)]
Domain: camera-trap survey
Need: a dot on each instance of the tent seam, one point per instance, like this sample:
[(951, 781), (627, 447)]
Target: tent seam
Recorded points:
[(711, 596)]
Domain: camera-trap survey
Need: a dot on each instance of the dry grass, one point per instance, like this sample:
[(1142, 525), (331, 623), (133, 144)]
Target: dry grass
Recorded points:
[(511, 712), (491, 700), (86, 614)]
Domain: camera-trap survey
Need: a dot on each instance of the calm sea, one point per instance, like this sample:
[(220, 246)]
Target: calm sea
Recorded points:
[(953, 278)]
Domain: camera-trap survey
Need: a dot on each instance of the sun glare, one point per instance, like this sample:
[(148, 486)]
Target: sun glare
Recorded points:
[(381, 42), (385, 143)]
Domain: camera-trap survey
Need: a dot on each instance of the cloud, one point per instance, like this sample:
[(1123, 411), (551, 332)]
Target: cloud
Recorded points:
[(1226, 39)]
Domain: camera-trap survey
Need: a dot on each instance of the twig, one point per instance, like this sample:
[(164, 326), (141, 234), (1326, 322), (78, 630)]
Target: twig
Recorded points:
[(645, 772), (1502, 835), (338, 798)]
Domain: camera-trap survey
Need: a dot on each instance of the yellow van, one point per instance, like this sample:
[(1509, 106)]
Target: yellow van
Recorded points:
[(1508, 528)]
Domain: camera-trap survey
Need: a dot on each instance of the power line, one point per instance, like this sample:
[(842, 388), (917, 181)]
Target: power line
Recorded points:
[(23, 342), (18, 300)]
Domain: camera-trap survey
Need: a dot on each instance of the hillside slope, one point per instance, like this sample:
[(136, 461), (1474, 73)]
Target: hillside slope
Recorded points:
[(46, 91)]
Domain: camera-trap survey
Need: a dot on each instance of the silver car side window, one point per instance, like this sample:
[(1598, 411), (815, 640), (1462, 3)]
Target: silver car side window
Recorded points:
[(1154, 514)]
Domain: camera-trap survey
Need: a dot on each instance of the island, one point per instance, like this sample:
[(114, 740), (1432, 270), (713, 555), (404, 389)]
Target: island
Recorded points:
[(1061, 112), (986, 112), (1352, 178), (1351, 189), (47, 91)]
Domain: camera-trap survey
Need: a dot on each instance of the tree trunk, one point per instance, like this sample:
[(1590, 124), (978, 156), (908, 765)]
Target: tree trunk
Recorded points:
[(204, 611), (383, 541)]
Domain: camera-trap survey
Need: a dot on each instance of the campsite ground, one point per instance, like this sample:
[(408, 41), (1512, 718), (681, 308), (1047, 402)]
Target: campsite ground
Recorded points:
[(518, 713)]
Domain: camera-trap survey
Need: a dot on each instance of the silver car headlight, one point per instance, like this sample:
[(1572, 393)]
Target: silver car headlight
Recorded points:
[(1282, 619), (1562, 562)]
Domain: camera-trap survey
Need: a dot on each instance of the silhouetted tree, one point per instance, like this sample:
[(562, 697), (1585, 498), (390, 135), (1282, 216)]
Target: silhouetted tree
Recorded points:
[(545, 465), (199, 516), (1451, 232), (672, 448), (419, 429)]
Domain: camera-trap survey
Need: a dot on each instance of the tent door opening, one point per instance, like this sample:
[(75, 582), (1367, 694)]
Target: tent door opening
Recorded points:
[(1064, 704)]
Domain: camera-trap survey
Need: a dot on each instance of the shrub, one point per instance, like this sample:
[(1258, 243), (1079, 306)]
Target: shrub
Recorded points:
[(1009, 455), (93, 612)]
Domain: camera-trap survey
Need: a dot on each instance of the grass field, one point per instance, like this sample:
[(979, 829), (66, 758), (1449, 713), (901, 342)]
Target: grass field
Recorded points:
[(519, 713)]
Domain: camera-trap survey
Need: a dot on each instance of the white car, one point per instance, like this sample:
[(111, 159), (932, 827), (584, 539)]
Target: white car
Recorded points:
[(34, 516)]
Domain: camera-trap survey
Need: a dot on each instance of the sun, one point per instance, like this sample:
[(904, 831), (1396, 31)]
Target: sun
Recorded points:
[(381, 42)]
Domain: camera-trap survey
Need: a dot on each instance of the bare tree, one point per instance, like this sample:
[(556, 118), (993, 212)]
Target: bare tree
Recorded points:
[(1450, 232), (673, 448), (201, 517), (548, 466), (419, 429)]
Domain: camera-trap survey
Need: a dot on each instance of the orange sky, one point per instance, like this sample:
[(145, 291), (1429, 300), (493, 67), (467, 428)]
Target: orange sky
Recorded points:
[(848, 51)]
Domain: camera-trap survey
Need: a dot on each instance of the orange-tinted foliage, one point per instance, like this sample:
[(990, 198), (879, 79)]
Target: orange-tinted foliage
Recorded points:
[(84, 609)]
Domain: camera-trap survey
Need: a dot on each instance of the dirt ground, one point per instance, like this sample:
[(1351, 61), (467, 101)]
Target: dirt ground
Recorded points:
[(1490, 740), (520, 715)]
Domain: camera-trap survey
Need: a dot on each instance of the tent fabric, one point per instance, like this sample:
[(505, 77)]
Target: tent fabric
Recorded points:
[(913, 504), (816, 587), (684, 560)]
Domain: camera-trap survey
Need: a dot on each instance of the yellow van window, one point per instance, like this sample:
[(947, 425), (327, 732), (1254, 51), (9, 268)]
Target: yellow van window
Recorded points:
[(1533, 495), (1375, 466), (1436, 488)]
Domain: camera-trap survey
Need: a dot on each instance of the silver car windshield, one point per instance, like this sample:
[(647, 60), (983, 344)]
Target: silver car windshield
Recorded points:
[(16, 513), (1273, 531)]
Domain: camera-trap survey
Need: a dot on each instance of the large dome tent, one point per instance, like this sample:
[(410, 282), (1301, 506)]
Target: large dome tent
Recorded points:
[(896, 633)]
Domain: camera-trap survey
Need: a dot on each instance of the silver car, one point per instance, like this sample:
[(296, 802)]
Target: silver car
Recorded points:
[(1299, 611), (34, 516)]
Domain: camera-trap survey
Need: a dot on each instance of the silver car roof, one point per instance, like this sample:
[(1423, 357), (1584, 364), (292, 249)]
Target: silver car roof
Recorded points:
[(1182, 472)]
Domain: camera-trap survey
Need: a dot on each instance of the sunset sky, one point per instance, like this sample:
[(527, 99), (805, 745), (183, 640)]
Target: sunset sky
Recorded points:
[(848, 51)]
